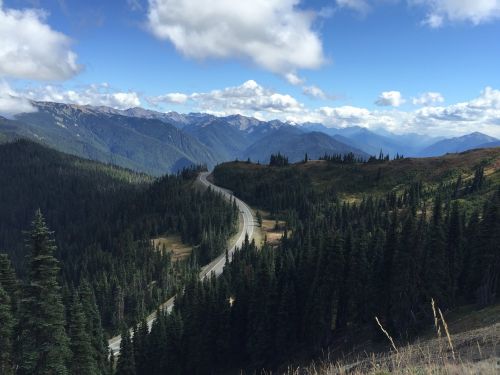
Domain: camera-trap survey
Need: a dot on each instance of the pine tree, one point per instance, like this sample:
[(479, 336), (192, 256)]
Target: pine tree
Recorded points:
[(94, 327), (83, 360), (9, 282), (140, 347), (454, 250), (6, 333), (259, 218), (436, 269), (43, 340), (126, 361)]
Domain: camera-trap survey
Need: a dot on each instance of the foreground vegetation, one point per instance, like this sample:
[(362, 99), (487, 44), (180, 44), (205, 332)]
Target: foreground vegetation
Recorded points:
[(475, 351), (100, 254)]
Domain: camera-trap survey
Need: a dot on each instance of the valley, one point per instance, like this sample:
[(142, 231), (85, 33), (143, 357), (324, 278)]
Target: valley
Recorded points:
[(274, 187), (308, 264)]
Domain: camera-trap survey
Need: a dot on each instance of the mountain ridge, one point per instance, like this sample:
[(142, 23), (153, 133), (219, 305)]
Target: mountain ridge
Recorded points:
[(156, 142)]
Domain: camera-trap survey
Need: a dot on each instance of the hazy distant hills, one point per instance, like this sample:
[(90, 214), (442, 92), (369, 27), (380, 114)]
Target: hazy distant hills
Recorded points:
[(157, 142), (459, 144), (295, 144), (372, 143)]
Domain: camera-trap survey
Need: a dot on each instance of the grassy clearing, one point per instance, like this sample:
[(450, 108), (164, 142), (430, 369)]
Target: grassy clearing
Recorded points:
[(174, 245), (271, 230)]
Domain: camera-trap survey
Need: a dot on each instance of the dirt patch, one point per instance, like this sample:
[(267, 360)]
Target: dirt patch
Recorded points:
[(174, 245)]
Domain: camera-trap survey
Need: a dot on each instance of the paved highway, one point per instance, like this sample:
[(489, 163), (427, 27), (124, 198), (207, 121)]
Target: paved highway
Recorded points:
[(247, 223)]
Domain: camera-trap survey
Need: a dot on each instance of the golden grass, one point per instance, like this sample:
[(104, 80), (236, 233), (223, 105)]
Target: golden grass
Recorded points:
[(268, 231), (174, 245), (478, 352)]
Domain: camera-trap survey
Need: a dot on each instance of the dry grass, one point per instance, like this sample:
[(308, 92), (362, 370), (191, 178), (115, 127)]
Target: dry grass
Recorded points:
[(475, 351), (268, 231), (174, 245)]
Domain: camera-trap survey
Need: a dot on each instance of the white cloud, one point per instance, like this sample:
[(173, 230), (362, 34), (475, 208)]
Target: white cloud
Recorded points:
[(390, 98), (31, 49), (314, 92), (428, 98), (11, 103), (439, 12), (171, 98), (248, 98), (294, 79), (475, 12), (95, 94), (274, 34), (360, 6)]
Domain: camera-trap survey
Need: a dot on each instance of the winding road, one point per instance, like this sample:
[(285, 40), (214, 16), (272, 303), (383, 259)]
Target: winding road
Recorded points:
[(246, 227)]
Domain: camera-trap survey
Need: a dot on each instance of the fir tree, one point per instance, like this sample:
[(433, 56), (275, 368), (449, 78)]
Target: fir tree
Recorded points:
[(83, 359), (9, 282), (94, 327), (43, 340), (126, 361), (6, 333)]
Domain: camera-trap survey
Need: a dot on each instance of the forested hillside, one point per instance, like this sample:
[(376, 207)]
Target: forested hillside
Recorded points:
[(386, 252), (103, 218), (142, 144)]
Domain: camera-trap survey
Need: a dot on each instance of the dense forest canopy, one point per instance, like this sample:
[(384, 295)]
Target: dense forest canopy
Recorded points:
[(103, 218), (341, 263), (363, 238)]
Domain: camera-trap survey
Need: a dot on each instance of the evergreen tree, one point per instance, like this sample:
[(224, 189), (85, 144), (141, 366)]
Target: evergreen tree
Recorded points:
[(140, 347), (43, 341), (83, 359), (9, 282), (454, 251), (126, 360), (436, 267), (94, 327), (6, 333)]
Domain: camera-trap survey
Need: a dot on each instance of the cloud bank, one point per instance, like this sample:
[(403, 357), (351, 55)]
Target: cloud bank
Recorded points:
[(11, 102), (479, 114), (95, 94)]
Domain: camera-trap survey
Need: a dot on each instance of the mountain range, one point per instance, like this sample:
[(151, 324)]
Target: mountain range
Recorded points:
[(157, 143)]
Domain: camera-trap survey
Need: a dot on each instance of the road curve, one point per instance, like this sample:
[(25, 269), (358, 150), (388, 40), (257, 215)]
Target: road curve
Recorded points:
[(247, 223)]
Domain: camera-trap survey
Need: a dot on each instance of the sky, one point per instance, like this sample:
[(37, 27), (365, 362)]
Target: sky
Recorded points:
[(424, 66)]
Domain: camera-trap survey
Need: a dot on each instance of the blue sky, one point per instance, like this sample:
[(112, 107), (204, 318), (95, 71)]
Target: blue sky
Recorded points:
[(429, 66)]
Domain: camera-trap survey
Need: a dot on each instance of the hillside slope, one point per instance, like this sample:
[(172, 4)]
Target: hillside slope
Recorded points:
[(352, 181), (296, 144), (103, 218), (143, 144)]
